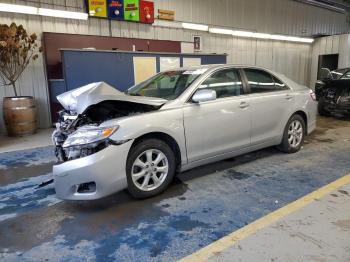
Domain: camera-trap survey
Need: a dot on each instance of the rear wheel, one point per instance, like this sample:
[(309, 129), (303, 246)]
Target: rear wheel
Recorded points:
[(150, 168), (293, 136)]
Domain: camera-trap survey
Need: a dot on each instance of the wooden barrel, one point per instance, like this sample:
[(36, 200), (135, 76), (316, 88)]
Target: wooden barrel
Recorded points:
[(19, 115)]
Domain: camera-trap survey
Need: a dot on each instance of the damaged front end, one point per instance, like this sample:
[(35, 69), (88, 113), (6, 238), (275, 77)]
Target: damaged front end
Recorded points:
[(74, 143), (78, 132)]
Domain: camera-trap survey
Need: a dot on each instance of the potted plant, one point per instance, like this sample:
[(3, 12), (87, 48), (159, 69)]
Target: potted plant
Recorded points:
[(17, 50)]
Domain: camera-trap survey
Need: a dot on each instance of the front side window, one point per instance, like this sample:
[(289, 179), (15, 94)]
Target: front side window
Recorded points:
[(261, 81), (167, 85), (225, 83)]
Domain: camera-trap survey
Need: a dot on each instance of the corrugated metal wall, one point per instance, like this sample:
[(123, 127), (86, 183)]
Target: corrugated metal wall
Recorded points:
[(337, 44), (270, 16), (274, 16)]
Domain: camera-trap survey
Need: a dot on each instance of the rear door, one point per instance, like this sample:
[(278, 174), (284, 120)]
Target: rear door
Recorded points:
[(271, 103), (221, 125)]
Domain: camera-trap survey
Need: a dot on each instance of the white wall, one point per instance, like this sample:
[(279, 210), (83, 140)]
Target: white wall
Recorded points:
[(272, 16), (336, 44)]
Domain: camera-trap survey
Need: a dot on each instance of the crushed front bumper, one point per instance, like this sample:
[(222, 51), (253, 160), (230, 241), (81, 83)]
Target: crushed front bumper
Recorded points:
[(337, 109), (106, 169)]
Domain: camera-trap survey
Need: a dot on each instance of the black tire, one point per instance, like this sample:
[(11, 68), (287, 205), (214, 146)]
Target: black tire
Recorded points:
[(285, 146), (321, 110), (135, 152)]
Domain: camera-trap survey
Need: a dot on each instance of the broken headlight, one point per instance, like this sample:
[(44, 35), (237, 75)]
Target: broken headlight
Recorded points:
[(75, 152), (89, 135)]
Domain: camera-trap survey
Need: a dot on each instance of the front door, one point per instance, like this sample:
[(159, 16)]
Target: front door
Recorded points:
[(218, 126)]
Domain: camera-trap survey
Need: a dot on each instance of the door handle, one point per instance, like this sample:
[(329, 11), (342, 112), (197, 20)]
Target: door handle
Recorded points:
[(288, 97), (243, 105)]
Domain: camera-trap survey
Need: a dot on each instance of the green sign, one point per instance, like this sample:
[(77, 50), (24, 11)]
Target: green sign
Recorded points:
[(131, 10)]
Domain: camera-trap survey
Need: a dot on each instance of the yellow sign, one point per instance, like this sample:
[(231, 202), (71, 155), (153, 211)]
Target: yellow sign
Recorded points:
[(144, 68), (98, 8)]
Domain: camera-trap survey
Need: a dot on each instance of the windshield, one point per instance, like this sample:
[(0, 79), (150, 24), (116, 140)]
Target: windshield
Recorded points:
[(339, 73), (345, 75), (167, 85)]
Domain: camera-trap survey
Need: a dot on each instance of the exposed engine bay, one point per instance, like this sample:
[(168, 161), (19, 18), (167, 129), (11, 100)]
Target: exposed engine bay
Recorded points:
[(333, 96), (70, 121)]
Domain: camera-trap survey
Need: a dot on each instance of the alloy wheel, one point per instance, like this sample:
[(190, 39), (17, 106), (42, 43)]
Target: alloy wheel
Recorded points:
[(150, 170), (295, 133)]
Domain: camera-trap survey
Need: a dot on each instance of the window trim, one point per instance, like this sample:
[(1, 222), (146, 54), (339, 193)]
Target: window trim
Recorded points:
[(265, 71), (239, 70)]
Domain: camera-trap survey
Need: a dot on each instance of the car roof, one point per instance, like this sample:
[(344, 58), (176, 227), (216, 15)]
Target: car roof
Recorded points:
[(218, 66), (212, 67)]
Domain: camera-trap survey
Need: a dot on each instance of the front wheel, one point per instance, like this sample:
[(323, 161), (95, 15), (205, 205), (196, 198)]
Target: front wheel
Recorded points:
[(150, 168), (293, 136)]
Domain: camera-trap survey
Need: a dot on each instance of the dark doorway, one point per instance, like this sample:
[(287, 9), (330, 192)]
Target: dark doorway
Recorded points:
[(327, 61)]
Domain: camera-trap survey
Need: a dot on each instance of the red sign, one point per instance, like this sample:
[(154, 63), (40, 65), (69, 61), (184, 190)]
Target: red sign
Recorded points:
[(146, 12)]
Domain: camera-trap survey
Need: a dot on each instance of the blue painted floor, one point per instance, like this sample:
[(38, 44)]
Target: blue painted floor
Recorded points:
[(201, 206)]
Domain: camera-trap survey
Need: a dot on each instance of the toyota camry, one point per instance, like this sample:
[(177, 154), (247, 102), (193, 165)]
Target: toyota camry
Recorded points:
[(107, 140)]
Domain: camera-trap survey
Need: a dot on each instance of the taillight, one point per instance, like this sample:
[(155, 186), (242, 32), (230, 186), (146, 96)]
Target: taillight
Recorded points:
[(312, 95)]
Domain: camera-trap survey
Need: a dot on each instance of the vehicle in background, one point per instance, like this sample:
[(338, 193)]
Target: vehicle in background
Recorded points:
[(333, 92), (179, 119)]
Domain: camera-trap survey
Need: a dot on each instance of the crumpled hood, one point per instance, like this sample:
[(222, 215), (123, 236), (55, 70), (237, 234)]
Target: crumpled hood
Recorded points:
[(80, 98)]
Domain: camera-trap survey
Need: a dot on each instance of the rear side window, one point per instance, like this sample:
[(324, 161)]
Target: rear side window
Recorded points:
[(261, 81), (279, 85), (225, 83)]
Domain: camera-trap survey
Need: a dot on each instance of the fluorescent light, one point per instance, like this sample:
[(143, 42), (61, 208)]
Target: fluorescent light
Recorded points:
[(226, 31), (195, 26), (262, 36), (31, 10), (63, 14), (274, 37), (164, 23), (292, 38), (243, 33), (280, 37), (22, 9), (220, 31)]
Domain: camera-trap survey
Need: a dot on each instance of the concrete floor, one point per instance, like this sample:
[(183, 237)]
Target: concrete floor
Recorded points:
[(41, 138), (201, 206), (317, 232)]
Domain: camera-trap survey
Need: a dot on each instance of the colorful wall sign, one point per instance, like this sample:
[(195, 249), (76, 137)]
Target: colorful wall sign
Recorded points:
[(98, 8), (116, 9), (146, 12), (131, 10), (128, 10)]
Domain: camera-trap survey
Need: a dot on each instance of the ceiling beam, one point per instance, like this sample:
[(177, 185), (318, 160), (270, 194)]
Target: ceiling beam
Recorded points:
[(340, 6)]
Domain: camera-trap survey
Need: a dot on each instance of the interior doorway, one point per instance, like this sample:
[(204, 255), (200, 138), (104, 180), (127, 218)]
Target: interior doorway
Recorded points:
[(327, 61)]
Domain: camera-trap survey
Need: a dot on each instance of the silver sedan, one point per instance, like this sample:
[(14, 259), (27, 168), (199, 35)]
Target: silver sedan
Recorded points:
[(107, 140)]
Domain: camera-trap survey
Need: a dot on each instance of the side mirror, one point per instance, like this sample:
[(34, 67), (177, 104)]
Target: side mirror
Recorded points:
[(203, 95), (325, 74)]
